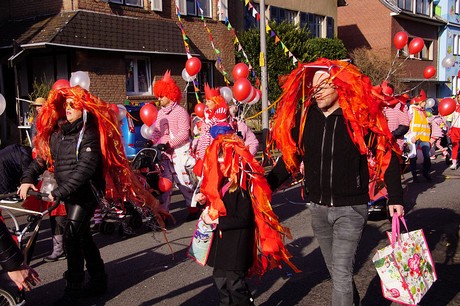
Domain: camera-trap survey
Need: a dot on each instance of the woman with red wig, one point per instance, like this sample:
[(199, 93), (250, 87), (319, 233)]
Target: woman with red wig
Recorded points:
[(78, 135)]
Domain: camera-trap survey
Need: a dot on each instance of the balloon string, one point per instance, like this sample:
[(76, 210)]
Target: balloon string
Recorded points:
[(392, 64)]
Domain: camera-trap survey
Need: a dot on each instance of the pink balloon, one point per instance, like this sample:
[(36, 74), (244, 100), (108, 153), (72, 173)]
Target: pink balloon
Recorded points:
[(241, 89)]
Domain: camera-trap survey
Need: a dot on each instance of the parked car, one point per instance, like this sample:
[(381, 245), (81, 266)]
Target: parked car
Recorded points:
[(131, 131)]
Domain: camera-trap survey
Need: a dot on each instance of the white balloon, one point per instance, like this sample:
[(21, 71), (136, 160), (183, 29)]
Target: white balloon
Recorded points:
[(250, 96), (256, 99), (146, 131), (226, 93), (448, 61), (121, 112), (80, 78), (187, 78), (430, 102), (2, 104)]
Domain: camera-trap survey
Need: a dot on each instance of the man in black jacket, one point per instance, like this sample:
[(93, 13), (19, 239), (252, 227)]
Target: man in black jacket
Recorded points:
[(334, 138)]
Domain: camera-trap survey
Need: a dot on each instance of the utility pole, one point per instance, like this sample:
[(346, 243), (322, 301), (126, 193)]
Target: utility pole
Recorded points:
[(263, 71)]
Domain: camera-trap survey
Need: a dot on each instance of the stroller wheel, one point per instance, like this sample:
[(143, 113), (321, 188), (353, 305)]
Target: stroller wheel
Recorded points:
[(136, 220), (7, 298), (107, 227)]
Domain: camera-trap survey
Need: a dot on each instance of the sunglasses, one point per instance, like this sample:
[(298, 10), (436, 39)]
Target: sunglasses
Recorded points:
[(68, 104)]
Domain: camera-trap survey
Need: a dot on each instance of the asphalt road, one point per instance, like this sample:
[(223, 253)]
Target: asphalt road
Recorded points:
[(143, 270)]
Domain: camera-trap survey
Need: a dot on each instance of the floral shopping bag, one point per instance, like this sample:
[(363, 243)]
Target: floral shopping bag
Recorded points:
[(201, 242), (405, 267)]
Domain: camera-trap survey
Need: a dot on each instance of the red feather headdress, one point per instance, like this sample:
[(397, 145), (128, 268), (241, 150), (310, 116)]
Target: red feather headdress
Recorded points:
[(362, 110), (116, 166), (243, 169)]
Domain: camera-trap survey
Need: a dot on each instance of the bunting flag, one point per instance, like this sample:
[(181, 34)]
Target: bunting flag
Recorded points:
[(270, 31), (217, 51), (187, 50), (236, 42)]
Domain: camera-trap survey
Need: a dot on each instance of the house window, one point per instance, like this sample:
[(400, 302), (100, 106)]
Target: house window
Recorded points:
[(456, 37), (157, 5), (137, 3), (138, 77), (454, 85), (315, 24), (249, 20), (425, 54), (427, 51), (330, 27), (222, 9), (422, 7), (192, 7), (277, 14), (405, 5)]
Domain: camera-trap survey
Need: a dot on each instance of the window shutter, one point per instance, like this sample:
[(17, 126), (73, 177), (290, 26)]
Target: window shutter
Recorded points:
[(157, 5), (222, 9), (182, 4)]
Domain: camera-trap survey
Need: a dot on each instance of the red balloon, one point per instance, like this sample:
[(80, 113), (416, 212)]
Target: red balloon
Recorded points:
[(193, 66), (60, 84), (416, 45), (429, 72), (199, 110), (148, 114), (447, 106), (400, 40), (241, 89), (240, 71), (164, 184), (458, 73)]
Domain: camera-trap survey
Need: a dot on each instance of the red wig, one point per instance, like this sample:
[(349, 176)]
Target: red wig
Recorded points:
[(242, 169), (116, 165), (167, 87), (362, 110)]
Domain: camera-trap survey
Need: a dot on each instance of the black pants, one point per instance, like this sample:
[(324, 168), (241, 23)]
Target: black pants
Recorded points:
[(232, 288), (79, 244)]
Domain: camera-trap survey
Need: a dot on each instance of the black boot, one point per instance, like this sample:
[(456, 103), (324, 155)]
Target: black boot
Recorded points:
[(96, 286), (72, 292)]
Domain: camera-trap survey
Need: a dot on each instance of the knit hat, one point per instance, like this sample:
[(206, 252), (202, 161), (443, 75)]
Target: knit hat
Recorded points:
[(167, 87), (421, 97)]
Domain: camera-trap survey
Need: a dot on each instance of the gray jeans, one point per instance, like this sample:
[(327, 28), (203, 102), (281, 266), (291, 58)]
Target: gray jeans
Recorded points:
[(338, 231)]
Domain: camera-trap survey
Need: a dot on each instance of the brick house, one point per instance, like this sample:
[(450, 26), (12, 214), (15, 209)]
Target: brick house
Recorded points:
[(373, 23), (123, 44)]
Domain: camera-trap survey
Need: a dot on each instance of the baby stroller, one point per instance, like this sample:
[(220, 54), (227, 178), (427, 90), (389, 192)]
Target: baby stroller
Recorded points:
[(129, 218), (26, 238)]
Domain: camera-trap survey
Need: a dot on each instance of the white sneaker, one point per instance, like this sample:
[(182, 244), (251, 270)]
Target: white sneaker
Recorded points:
[(453, 167)]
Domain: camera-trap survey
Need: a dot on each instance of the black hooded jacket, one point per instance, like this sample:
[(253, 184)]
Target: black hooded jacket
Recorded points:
[(78, 163)]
